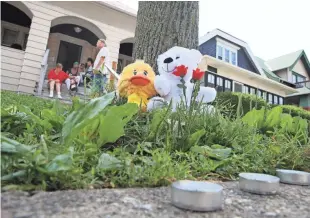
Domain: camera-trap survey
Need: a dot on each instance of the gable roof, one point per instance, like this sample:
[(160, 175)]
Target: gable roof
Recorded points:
[(267, 70), (288, 61), (218, 32)]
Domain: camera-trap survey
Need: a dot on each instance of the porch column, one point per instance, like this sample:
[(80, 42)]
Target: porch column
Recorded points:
[(35, 49)]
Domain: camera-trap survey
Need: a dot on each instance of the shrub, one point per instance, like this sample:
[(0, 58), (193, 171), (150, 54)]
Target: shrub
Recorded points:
[(247, 101), (296, 111)]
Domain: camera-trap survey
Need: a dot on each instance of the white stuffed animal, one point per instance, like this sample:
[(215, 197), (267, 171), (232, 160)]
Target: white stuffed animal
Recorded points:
[(166, 83)]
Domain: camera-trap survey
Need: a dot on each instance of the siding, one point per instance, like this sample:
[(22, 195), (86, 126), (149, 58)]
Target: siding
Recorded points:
[(245, 62), (116, 26), (283, 74), (209, 47), (11, 65), (301, 69)]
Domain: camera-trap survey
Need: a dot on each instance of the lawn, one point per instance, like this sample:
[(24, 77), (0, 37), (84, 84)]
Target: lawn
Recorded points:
[(46, 145)]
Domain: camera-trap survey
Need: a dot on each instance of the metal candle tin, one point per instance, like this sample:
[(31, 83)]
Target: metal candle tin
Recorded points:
[(293, 177), (197, 195), (258, 183)]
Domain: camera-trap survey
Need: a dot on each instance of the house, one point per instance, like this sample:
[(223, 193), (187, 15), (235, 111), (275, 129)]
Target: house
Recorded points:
[(231, 66), (37, 35)]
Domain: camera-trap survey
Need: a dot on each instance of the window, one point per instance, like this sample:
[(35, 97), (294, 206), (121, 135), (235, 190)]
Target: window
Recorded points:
[(264, 96), (238, 87), (227, 85), (245, 89), (9, 37), (252, 91), (220, 52), (297, 78), (275, 99), (259, 93), (219, 84), (269, 98), (227, 51), (211, 80), (233, 58), (227, 55), (280, 100), (212, 69), (25, 41)]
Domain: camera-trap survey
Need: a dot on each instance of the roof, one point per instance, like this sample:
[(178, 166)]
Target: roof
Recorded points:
[(218, 32), (301, 91), (267, 70), (284, 61)]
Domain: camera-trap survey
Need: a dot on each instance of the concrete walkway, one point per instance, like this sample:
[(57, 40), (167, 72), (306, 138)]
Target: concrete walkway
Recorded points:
[(292, 201)]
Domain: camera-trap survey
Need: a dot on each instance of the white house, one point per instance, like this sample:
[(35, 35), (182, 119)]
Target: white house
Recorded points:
[(63, 31)]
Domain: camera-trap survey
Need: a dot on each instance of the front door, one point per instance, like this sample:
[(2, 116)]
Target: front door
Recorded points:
[(68, 53)]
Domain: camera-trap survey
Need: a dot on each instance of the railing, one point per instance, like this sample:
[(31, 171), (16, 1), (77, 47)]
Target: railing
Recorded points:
[(303, 84), (44, 66)]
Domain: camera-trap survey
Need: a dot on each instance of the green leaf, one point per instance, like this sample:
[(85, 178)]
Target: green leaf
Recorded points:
[(12, 176), (195, 137), (77, 120), (12, 146), (219, 154), (111, 126), (273, 118), (62, 162), (254, 118), (108, 162)]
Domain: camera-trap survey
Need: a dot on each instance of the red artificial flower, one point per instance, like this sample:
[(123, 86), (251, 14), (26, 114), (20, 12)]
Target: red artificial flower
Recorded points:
[(180, 71), (197, 74)]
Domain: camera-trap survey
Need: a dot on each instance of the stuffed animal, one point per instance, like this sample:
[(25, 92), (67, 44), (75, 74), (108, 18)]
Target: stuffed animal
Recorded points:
[(174, 64), (136, 82)]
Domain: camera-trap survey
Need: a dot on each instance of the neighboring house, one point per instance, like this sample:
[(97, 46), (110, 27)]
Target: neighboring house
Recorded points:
[(231, 66), (62, 31)]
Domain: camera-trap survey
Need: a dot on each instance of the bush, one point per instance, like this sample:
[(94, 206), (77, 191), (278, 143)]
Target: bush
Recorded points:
[(296, 111), (247, 103)]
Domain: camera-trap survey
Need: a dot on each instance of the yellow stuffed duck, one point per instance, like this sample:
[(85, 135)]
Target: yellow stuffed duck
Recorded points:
[(136, 82)]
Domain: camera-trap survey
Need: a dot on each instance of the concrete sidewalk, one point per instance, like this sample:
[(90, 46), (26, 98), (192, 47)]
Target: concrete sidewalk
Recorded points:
[(291, 201)]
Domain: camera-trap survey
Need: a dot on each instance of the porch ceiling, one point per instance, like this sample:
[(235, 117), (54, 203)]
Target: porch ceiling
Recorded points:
[(68, 29)]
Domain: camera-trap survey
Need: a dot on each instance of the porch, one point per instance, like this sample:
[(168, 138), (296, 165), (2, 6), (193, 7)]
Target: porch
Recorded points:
[(37, 35)]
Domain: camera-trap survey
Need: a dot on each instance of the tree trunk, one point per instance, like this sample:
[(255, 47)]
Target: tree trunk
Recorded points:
[(162, 25)]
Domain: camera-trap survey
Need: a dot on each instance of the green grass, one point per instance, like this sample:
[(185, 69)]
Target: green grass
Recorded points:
[(104, 143)]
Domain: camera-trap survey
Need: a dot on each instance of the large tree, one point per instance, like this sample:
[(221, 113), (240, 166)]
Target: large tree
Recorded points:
[(162, 25)]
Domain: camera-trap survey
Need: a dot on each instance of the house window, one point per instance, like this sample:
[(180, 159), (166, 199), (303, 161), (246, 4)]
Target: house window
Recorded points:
[(211, 80), (280, 100), (238, 87), (252, 91), (264, 96), (9, 37), (259, 93), (245, 89), (220, 52), (297, 78), (269, 98), (227, 85), (275, 99), (219, 84), (233, 58), (227, 52), (212, 69), (227, 55)]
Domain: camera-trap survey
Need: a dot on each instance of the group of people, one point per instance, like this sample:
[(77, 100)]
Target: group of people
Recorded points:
[(95, 71)]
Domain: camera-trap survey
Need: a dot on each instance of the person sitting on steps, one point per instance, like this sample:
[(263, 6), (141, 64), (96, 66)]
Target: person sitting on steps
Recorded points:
[(74, 77), (55, 78)]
